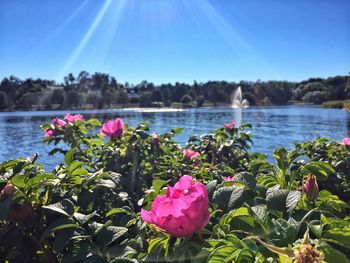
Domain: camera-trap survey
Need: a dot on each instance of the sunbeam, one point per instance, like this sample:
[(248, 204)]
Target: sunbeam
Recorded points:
[(238, 45), (110, 33), (86, 37), (66, 22)]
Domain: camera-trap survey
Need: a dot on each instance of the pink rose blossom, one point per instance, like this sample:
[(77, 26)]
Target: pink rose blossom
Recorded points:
[(189, 154), (155, 138), (229, 178), (113, 128), (230, 126), (73, 118), (182, 211), (49, 133), (346, 141), (58, 122)]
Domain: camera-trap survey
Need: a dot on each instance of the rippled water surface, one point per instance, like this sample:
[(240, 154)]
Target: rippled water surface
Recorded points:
[(21, 136)]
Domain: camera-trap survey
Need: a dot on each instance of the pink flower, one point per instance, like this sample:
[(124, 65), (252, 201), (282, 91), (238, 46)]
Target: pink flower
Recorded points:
[(189, 154), (58, 122), (49, 133), (155, 138), (346, 141), (113, 128), (182, 211), (310, 188), (230, 126), (73, 118), (229, 178)]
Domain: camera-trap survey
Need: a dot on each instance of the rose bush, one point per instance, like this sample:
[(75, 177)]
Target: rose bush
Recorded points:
[(137, 197)]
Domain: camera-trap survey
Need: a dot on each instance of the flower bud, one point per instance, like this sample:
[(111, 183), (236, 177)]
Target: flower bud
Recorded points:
[(311, 188), (155, 139)]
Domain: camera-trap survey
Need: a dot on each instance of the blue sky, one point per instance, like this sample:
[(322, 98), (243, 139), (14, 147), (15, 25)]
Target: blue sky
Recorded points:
[(175, 40)]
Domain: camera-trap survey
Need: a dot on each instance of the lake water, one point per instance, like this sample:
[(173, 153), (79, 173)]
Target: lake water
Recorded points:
[(21, 136)]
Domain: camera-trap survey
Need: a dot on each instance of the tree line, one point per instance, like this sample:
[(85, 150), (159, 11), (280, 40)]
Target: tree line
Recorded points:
[(100, 90)]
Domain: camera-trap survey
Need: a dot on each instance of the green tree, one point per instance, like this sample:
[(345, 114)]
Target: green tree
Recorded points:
[(74, 99), (122, 97), (58, 97), (200, 100), (186, 99), (3, 100), (146, 99), (157, 95)]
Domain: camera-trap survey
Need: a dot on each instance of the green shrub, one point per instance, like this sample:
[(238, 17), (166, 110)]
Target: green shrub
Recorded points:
[(87, 209)]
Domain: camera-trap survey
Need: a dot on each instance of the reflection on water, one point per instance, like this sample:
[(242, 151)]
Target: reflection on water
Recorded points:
[(20, 133)]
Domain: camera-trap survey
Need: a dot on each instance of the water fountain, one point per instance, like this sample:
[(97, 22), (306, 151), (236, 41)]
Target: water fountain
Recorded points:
[(238, 101)]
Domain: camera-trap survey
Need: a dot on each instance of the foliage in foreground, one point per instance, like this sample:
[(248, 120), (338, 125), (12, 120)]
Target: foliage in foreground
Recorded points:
[(88, 208)]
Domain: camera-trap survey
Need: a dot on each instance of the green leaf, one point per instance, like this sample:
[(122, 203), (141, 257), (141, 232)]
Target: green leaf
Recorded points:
[(281, 157), (93, 122), (78, 251), (58, 225), (211, 186), (316, 227), (320, 169), (292, 200), (80, 171), (235, 198), (261, 212), (75, 165), (329, 202), (221, 253), (244, 255), (19, 180), (341, 236), (68, 158), (115, 211), (82, 219), (64, 207), (123, 260), (95, 141), (222, 196), (83, 129), (276, 199), (109, 234), (331, 254), (157, 184), (156, 244), (246, 178)]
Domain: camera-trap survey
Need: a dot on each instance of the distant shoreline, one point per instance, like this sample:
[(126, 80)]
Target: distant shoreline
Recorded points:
[(151, 109)]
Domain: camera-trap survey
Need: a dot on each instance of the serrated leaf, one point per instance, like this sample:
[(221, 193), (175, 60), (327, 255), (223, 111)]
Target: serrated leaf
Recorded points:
[(276, 199), (292, 200), (235, 197)]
